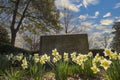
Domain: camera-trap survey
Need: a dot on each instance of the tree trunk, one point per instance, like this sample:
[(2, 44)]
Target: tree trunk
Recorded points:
[(13, 30), (13, 33), (13, 38)]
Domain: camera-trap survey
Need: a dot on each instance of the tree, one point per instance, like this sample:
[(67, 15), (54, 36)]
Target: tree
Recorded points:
[(116, 39), (105, 39), (32, 41), (66, 20), (4, 38), (42, 13)]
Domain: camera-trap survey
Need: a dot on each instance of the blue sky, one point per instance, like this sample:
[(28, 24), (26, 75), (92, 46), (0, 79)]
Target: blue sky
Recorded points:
[(97, 16)]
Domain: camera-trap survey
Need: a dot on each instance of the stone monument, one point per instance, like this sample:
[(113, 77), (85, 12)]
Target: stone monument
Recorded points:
[(64, 43)]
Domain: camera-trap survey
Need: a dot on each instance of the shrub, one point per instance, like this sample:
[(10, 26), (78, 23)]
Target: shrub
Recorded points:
[(7, 49), (4, 38), (95, 51), (100, 51)]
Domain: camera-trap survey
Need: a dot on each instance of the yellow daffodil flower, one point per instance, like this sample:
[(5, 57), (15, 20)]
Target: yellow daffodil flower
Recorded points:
[(105, 63), (95, 69)]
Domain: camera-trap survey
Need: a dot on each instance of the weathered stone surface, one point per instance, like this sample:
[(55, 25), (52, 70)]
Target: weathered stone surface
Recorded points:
[(64, 43)]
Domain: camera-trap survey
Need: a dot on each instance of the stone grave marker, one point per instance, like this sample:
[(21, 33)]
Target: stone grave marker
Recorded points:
[(64, 43)]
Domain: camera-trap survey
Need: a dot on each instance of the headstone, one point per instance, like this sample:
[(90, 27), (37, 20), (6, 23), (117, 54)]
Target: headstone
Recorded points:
[(64, 43)]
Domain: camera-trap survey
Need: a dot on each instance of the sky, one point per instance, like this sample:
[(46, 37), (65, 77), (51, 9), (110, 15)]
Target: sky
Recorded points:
[(97, 16), (94, 17)]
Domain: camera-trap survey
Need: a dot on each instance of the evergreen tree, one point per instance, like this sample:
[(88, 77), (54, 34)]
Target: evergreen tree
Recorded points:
[(4, 38), (116, 40)]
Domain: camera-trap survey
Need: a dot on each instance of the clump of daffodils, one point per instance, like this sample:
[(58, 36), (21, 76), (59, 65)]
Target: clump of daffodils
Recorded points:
[(24, 63), (80, 59), (10, 56), (19, 57), (97, 59), (113, 56), (36, 58), (73, 56), (66, 58), (95, 69), (56, 55), (44, 58)]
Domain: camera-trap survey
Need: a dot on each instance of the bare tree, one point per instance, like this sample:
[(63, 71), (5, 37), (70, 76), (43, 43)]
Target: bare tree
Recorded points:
[(66, 21)]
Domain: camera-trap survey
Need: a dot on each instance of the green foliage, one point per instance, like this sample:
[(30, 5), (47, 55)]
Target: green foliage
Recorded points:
[(36, 70), (4, 38), (116, 40), (7, 49), (73, 70), (85, 69), (79, 65), (13, 74), (4, 63), (61, 71), (113, 73)]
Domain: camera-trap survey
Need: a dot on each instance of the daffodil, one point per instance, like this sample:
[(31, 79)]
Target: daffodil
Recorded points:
[(113, 56), (54, 60), (42, 61), (95, 69), (58, 57), (107, 52), (55, 52), (90, 54), (84, 57), (24, 63), (73, 55), (45, 57), (36, 60), (66, 57), (19, 57), (97, 58), (74, 59), (36, 55), (105, 63), (119, 56), (79, 62)]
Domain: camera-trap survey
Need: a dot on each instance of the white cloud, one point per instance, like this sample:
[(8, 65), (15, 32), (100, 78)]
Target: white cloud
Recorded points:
[(106, 22), (107, 30), (87, 24), (83, 17), (117, 5), (87, 2), (66, 4), (107, 14), (80, 5), (97, 13), (99, 27), (117, 19)]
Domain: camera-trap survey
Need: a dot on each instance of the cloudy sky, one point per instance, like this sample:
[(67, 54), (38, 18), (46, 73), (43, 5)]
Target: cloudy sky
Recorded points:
[(95, 15)]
